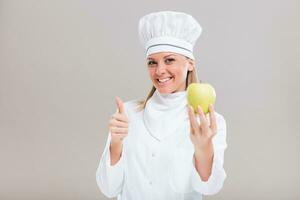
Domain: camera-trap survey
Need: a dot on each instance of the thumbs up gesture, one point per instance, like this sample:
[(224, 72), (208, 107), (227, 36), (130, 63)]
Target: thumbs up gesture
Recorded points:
[(118, 124)]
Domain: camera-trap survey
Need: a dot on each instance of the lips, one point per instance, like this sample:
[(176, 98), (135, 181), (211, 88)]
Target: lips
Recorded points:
[(164, 81)]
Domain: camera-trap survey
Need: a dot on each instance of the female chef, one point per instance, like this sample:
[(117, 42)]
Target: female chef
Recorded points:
[(158, 149)]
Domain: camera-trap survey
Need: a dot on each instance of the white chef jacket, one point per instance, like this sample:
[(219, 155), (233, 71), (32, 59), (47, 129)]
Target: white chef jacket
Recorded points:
[(156, 166)]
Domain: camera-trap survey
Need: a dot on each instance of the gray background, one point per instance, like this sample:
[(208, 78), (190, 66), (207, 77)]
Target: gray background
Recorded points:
[(63, 62)]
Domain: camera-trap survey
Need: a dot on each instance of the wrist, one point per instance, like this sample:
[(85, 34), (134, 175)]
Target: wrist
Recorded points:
[(115, 146), (207, 151), (116, 143), (115, 152)]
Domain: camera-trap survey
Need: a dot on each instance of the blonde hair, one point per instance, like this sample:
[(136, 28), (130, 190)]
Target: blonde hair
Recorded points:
[(190, 78)]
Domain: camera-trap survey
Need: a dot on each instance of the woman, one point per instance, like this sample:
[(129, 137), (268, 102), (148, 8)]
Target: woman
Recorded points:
[(158, 148)]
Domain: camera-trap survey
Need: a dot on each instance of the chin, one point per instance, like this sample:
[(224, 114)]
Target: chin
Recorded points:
[(165, 90)]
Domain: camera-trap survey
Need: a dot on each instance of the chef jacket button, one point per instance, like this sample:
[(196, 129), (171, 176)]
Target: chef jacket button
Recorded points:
[(153, 154), (150, 182)]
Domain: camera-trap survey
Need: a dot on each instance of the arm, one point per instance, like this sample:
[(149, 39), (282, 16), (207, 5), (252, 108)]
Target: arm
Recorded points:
[(203, 161), (110, 172), (115, 152), (209, 180), (185, 175)]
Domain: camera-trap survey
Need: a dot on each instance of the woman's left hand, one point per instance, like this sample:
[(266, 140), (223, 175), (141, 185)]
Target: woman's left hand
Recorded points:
[(203, 132)]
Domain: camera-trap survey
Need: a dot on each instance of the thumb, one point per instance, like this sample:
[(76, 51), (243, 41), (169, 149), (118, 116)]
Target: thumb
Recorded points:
[(120, 105)]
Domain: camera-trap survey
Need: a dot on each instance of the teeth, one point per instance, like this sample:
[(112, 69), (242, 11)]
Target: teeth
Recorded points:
[(164, 80)]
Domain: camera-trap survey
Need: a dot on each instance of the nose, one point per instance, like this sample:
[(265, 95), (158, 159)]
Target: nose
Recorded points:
[(160, 69)]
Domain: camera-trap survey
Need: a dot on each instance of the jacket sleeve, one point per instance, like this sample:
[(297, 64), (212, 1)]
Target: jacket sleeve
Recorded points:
[(184, 178), (215, 182), (110, 178)]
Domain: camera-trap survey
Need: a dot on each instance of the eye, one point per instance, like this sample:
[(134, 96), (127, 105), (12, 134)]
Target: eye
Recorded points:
[(150, 63), (169, 60)]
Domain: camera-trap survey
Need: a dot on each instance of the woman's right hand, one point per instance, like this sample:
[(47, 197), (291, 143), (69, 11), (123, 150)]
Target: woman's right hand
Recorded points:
[(118, 124)]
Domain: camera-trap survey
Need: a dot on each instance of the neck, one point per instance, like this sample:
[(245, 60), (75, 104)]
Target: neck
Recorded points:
[(169, 100)]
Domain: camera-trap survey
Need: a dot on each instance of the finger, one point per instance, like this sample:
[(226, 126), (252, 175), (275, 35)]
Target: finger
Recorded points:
[(203, 121), (212, 117), (120, 105), (193, 121), (118, 123), (120, 117), (208, 119), (118, 130)]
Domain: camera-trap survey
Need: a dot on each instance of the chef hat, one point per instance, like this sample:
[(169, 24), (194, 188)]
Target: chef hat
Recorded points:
[(169, 31)]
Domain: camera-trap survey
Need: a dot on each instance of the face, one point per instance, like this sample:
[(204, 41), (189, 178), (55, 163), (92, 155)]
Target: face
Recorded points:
[(168, 71)]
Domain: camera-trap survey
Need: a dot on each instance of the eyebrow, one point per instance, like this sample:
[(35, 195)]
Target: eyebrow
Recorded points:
[(163, 57)]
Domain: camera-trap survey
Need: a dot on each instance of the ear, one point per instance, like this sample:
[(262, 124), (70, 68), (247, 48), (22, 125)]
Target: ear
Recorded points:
[(191, 65)]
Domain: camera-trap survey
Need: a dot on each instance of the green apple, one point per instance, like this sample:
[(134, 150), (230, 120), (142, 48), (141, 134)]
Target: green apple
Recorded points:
[(201, 94)]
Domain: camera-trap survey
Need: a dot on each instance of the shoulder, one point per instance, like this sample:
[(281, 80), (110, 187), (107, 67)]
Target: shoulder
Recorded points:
[(131, 103), (131, 106), (220, 138), (221, 122)]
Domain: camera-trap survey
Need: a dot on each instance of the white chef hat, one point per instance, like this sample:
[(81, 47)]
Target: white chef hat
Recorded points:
[(169, 31)]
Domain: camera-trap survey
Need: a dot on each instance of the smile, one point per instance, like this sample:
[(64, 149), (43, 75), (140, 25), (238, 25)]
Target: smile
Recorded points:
[(164, 81)]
